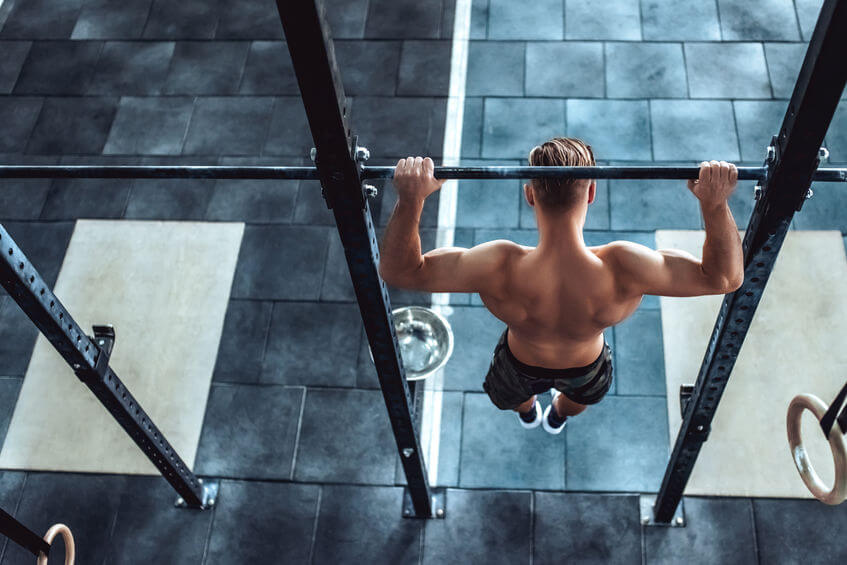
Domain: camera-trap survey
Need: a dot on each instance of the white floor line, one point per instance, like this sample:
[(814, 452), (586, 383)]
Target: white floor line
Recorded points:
[(433, 394)]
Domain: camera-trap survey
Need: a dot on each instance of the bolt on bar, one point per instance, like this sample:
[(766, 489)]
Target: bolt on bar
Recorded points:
[(311, 173)]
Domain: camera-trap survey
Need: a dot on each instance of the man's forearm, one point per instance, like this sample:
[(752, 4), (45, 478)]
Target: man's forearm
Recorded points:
[(723, 257), (401, 244)]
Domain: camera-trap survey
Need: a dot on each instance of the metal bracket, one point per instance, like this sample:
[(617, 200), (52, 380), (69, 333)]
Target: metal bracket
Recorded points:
[(439, 503), (685, 392), (645, 506), (210, 494)]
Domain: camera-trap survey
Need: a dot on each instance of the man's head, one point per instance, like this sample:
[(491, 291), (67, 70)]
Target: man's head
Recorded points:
[(561, 195)]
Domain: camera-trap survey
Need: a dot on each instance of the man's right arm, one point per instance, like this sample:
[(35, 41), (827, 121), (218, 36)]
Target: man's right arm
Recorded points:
[(672, 272)]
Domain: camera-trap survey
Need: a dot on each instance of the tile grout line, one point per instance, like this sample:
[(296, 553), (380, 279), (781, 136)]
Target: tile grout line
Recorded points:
[(446, 226), (297, 435), (314, 539)]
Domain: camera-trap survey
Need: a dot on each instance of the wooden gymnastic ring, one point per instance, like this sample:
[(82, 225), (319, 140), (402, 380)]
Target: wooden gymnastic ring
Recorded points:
[(837, 442), (68, 539)]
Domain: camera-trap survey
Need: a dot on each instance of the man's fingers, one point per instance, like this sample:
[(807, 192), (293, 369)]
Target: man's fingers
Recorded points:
[(418, 168), (733, 173), (724, 171), (705, 172)]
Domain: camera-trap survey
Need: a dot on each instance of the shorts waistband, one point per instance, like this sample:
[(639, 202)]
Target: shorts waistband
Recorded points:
[(547, 373)]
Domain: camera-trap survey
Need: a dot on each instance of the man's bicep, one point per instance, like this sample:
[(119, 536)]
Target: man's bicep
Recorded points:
[(456, 269), (667, 272)]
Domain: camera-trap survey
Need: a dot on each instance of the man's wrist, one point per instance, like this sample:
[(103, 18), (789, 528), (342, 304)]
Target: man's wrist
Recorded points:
[(714, 207), (409, 203)]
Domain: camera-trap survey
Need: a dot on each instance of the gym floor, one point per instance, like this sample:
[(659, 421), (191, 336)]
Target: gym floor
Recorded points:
[(298, 434)]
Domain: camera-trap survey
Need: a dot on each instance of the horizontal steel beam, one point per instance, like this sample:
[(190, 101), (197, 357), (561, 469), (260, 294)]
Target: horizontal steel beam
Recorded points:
[(311, 173)]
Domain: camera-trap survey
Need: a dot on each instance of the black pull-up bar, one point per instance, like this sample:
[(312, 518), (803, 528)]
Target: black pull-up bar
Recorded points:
[(311, 173)]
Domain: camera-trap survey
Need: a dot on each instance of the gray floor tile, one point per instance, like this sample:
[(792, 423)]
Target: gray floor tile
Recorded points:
[(9, 389), (14, 55), (249, 19), (807, 13), (11, 484), (206, 67), (645, 70), (368, 68), (836, 137), (69, 199), (58, 67), (228, 126), (375, 532), (686, 20), (825, 210), (132, 68), (310, 207), (189, 19), (790, 531), (479, 19), (424, 68), (346, 18), (44, 244), (72, 126), (568, 69), (519, 236), (42, 19), (523, 458), (397, 127), (474, 527), (257, 201), (354, 445), (18, 116), (149, 529), (476, 332), (697, 130), (250, 431), (727, 70), (259, 521), (488, 203), (243, 342), (404, 19), (615, 129), (613, 19), (313, 344), (49, 498), (597, 217), (496, 68), (472, 128), (652, 205), (784, 62), (586, 528), (170, 199), (639, 355), (717, 531), (269, 70), (513, 126), (512, 20), (149, 126), (289, 131), (758, 19), (23, 199), (606, 452), (336, 284), (108, 19), (757, 121), (281, 262)]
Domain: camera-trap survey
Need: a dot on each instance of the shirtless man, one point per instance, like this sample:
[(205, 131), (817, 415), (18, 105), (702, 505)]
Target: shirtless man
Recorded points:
[(557, 298)]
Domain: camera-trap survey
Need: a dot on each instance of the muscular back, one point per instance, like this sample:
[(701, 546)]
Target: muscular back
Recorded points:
[(557, 308)]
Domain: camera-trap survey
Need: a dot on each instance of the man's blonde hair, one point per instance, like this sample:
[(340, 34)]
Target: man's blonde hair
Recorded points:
[(561, 194)]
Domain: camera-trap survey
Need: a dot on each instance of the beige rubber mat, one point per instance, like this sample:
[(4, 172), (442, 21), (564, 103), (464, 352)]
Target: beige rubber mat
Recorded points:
[(796, 344), (165, 287)]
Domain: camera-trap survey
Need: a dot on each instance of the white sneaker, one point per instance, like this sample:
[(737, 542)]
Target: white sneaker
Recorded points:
[(546, 422), (536, 422)]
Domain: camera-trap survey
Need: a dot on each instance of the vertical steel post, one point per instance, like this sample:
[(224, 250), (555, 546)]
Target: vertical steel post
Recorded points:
[(314, 63), (791, 166)]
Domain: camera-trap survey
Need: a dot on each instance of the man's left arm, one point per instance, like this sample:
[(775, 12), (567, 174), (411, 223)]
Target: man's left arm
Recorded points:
[(448, 269)]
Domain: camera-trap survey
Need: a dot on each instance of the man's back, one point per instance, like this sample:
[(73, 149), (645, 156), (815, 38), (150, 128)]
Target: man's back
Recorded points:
[(557, 307)]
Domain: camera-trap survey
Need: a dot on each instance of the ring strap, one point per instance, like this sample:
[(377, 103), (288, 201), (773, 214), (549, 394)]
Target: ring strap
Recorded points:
[(830, 417)]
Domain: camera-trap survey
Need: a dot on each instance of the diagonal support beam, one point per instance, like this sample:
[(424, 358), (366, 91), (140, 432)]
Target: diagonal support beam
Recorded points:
[(90, 362), (790, 171), (326, 108)]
